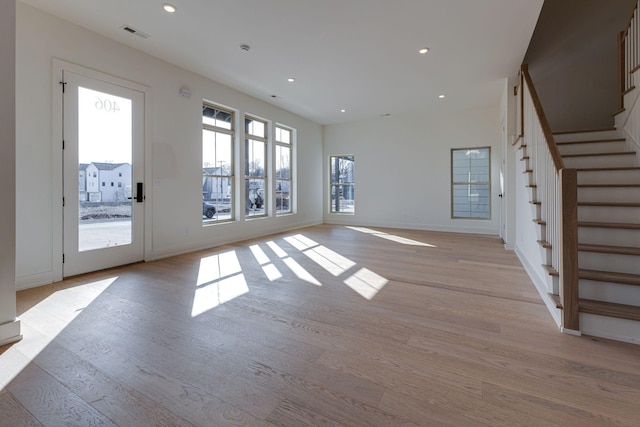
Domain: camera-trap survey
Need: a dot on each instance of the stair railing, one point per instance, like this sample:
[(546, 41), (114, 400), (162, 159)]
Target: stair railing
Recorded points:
[(555, 194), (628, 55)]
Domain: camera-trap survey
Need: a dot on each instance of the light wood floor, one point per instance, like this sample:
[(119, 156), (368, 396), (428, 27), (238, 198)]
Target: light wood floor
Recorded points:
[(323, 326)]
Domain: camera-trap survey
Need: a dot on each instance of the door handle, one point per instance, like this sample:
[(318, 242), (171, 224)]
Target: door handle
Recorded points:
[(139, 193)]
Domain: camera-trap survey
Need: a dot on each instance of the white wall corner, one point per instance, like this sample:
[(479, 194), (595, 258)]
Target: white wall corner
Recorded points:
[(10, 332)]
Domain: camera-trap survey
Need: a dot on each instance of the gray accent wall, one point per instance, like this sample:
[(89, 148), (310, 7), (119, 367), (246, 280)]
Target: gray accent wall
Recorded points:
[(573, 58)]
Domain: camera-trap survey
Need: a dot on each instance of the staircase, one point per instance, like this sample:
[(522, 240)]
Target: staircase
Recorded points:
[(608, 172)]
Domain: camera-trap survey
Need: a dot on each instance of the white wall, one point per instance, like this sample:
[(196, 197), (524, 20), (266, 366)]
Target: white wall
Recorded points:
[(403, 168), (508, 111), (9, 327), (175, 123)]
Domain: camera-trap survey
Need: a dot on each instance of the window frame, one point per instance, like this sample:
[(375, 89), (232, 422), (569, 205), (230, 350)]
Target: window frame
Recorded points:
[(220, 176), (290, 146), (264, 139), (351, 184), (470, 183)]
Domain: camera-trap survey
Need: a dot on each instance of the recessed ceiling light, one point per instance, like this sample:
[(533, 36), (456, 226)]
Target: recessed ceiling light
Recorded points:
[(343, 110), (442, 96), (291, 80), (168, 7), (424, 50)]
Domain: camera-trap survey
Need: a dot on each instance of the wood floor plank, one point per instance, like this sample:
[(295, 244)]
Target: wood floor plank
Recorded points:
[(51, 402), (123, 405), (327, 325), (12, 413)]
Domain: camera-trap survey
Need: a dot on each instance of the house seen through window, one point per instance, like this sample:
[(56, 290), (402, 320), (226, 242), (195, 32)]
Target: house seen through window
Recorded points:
[(217, 164), (284, 180)]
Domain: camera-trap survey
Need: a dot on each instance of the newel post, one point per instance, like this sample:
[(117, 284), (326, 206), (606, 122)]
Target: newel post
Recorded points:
[(569, 255)]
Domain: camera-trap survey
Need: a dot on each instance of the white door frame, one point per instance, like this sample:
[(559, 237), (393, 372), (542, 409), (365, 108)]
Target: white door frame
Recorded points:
[(57, 157)]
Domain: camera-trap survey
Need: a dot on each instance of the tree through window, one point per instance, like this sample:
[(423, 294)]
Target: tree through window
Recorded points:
[(342, 173)]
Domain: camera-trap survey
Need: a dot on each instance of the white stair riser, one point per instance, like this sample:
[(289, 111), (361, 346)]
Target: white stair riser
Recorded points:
[(600, 161), (609, 236), (609, 194), (615, 263), (610, 292), (587, 136), (593, 147), (609, 177), (610, 327), (608, 214)]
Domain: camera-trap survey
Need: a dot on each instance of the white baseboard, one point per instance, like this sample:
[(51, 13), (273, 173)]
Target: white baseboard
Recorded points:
[(34, 280), (185, 249)]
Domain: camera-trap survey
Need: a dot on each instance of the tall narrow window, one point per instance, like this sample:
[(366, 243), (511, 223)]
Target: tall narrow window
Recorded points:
[(217, 164), (284, 180), (470, 183), (342, 173), (255, 175)]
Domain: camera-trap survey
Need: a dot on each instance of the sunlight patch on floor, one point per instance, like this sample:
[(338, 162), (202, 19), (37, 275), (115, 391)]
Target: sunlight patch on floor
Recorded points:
[(366, 283), (331, 261), (43, 322), (217, 293), (299, 271), (391, 237), (218, 266), (270, 270), (280, 253), (220, 280)]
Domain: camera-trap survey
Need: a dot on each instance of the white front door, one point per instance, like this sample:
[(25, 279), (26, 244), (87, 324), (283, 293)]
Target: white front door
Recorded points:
[(103, 214)]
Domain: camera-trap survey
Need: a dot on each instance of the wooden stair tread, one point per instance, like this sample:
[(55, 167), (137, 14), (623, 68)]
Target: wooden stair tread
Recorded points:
[(544, 244), (535, 202), (568, 132), (614, 153), (528, 171), (622, 250), (619, 168), (610, 309), (590, 141), (622, 225), (550, 270), (608, 185), (532, 186), (540, 221), (608, 276), (611, 204), (556, 300)]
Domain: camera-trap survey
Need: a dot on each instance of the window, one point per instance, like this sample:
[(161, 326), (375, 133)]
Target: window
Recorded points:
[(255, 155), (470, 183), (103, 183), (119, 184), (284, 180), (217, 164), (112, 183), (342, 170)]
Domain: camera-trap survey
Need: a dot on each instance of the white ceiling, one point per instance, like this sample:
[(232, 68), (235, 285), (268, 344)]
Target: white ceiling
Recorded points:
[(361, 55)]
